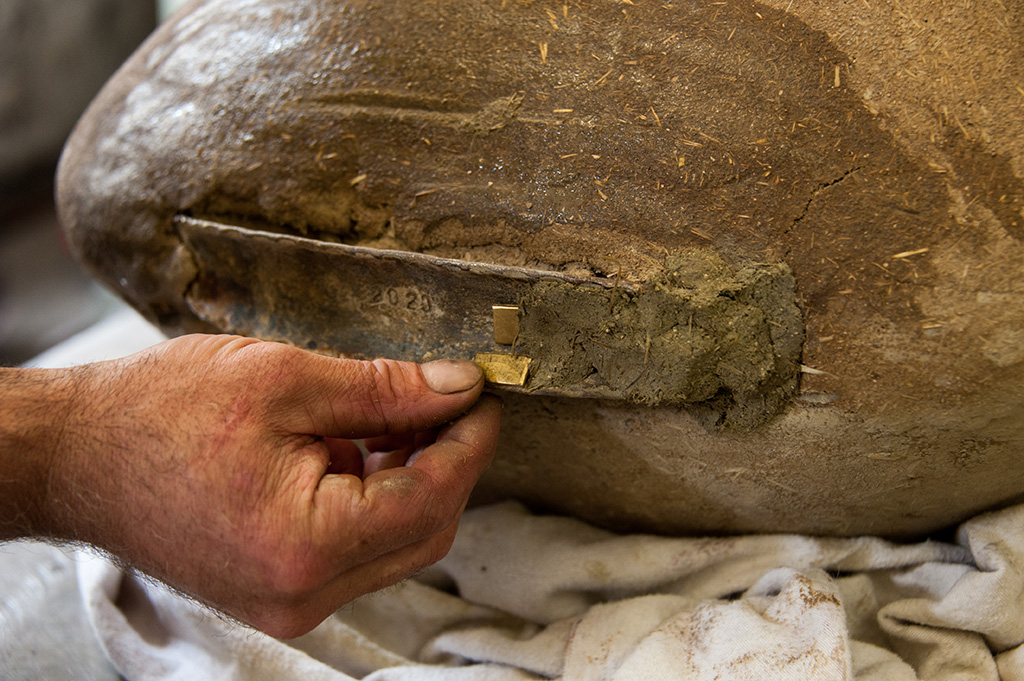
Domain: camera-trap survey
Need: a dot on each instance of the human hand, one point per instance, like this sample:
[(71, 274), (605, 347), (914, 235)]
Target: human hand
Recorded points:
[(224, 467)]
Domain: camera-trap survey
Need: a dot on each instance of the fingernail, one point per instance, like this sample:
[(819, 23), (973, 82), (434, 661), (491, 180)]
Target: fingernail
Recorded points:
[(415, 455), (447, 376)]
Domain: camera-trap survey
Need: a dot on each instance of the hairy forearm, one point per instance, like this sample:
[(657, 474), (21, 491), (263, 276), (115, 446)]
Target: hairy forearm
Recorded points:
[(70, 452), (38, 407)]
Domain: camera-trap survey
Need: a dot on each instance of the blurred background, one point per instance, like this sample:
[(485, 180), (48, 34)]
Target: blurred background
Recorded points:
[(55, 55)]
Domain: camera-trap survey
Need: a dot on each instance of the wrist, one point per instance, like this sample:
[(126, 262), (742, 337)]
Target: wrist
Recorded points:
[(39, 413)]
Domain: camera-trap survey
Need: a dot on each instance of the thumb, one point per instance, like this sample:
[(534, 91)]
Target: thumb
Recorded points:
[(353, 399)]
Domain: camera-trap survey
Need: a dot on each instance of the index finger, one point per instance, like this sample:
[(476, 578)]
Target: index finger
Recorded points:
[(400, 506)]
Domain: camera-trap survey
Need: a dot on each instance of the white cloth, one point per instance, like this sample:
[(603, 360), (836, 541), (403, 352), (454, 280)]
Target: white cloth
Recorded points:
[(522, 596)]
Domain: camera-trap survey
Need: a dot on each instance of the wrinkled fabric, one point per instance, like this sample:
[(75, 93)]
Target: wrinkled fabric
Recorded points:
[(524, 596)]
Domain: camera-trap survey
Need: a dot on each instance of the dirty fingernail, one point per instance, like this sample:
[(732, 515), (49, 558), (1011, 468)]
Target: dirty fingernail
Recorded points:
[(448, 376)]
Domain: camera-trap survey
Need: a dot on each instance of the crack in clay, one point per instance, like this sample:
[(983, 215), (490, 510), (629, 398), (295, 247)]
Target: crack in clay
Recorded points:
[(817, 190)]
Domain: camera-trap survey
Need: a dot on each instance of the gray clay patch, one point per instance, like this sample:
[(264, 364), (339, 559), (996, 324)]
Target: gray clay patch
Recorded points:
[(698, 334)]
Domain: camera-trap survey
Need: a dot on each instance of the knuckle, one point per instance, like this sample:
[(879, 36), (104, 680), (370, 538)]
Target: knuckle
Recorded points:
[(383, 376), (379, 377), (277, 362)]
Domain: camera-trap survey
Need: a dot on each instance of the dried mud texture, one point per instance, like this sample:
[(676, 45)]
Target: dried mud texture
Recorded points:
[(875, 149), (727, 343)]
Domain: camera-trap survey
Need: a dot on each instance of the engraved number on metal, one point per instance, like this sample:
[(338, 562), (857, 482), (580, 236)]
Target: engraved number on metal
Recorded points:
[(403, 298)]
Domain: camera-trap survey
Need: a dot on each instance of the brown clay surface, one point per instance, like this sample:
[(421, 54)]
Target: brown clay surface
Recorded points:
[(874, 148)]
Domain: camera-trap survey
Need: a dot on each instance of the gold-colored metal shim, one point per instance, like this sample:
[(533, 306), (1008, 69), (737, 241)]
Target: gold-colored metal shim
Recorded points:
[(506, 323), (503, 369)]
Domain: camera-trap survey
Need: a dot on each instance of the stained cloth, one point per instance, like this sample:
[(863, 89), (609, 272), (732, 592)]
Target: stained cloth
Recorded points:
[(527, 596)]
